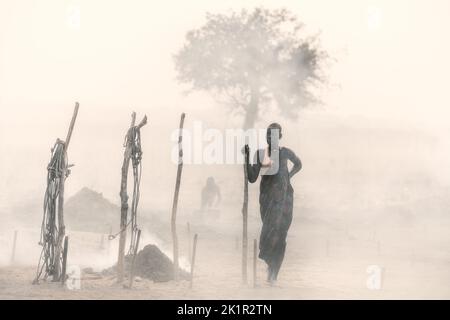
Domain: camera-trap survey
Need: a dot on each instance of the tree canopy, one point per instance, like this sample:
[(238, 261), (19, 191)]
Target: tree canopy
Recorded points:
[(253, 59)]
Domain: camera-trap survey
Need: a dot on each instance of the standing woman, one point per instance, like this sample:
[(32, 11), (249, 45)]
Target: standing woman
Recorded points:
[(276, 197)]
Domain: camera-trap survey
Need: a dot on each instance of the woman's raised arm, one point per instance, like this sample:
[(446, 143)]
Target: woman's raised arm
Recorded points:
[(252, 169)]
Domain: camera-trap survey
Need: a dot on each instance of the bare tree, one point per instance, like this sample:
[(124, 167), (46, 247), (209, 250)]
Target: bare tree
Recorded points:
[(251, 60)]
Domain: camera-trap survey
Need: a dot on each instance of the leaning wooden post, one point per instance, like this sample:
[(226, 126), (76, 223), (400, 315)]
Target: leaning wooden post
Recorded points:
[(134, 258), (245, 224), (124, 204), (13, 254), (61, 226), (175, 199), (254, 262), (194, 249)]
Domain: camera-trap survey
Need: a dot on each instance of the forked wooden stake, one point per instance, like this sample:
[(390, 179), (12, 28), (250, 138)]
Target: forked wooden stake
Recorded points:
[(175, 199), (194, 249)]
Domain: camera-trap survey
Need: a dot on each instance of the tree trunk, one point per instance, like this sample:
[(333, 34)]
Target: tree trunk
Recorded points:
[(251, 111)]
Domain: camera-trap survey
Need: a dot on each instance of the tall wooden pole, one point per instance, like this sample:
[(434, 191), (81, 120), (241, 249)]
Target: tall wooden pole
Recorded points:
[(175, 199), (124, 204), (61, 226), (245, 224)]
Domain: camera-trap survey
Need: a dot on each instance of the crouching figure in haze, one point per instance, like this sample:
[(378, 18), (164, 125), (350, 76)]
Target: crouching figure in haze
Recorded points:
[(276, 197)]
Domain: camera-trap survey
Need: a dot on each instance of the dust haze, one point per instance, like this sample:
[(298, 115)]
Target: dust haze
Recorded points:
[(374, 189)]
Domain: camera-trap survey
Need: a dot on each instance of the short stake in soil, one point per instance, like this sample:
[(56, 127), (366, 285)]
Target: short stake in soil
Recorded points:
[(194, 249), (254, 261)]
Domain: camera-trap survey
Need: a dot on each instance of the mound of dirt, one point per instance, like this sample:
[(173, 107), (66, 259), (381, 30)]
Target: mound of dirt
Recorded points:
[(89, 211), (151, 263)]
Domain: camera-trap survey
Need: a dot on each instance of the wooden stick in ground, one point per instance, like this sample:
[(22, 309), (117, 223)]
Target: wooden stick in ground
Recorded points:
[(194, 249), (245, 225), (64, 260), (134, 258), (175, 199), (13, 254), (124, 205), (61, 226), (254, 261), (189, 240)]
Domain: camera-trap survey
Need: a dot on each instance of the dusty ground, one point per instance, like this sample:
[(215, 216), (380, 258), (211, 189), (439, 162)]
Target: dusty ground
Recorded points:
[(319, 264)]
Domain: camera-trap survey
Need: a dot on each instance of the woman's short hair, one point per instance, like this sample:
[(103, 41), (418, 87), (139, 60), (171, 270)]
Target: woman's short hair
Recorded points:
[(274, 126)]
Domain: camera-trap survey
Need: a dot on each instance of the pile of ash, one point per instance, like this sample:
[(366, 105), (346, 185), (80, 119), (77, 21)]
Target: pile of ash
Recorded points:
[(151, 263)]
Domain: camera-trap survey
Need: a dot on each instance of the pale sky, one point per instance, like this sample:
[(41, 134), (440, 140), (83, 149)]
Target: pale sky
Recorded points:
[(392, 61), (392, 55)]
